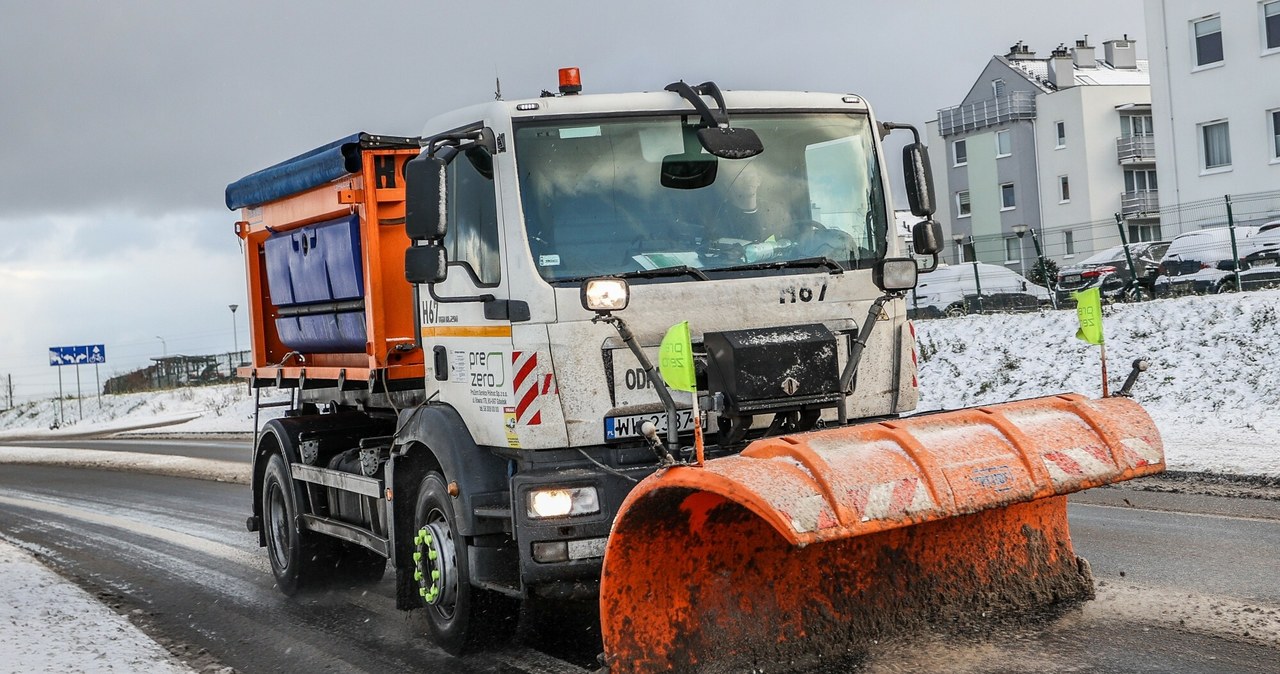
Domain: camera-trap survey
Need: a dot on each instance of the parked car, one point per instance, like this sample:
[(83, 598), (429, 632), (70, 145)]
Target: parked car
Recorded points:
[(952, 290), (1109, 271), (1202, 261)]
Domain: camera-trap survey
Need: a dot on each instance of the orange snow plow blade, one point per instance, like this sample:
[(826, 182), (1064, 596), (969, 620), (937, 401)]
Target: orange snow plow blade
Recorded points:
[(803, 549)]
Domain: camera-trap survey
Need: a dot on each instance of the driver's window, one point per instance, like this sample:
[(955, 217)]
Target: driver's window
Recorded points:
[(833, 168), (472, 238)]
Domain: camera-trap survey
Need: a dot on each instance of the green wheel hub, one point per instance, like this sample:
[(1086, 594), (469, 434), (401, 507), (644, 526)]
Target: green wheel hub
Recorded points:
[(434, 566)]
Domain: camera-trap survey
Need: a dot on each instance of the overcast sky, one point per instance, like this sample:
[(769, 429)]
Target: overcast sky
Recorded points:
[(124, 121)]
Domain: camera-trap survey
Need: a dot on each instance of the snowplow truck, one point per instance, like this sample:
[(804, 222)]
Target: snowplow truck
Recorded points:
[(468, 325)]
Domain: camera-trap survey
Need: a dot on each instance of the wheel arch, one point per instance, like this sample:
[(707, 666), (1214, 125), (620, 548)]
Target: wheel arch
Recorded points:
[(435, 438)]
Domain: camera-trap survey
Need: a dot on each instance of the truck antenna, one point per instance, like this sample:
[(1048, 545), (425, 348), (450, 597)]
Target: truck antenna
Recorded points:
[(497, 87)]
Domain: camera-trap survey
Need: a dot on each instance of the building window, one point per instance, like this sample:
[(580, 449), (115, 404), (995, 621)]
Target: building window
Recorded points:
[(1064, 190), (1135, 125), (962, 204), (1144, 233), (1271, 25), (997, 88), (1061, 128), (1068, 243), (1208, 40), (961, 150), (1274, 116), (1006, 197), (1011, 255), (1140, 180), (1004, 143), (1216, 142)]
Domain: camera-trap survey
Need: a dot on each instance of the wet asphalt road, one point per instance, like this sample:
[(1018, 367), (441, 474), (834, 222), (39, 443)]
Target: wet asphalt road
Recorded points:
[(1186, 583)]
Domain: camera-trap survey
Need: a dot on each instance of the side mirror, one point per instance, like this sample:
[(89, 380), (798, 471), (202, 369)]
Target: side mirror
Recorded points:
[(425, 264), (919, 179), (425, 197), (926, 238)]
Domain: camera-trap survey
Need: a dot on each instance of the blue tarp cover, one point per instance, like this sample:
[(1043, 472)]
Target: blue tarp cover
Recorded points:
[(307, 170)]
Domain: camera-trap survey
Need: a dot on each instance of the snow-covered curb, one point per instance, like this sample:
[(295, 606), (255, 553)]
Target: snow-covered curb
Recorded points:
[(157, 464), (50, 625)]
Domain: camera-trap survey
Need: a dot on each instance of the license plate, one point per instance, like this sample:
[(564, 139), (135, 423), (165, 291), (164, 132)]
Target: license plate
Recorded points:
[(616, 428), (1072, 278)]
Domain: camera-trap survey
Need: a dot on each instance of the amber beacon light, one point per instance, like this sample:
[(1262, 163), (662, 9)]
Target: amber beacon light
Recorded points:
[(570, 81)]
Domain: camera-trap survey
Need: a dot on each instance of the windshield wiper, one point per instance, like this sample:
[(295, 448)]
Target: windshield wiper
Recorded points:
[(822, 261), (677, 270)]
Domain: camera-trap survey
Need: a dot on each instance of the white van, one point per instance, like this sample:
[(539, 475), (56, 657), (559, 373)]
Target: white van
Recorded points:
[(952, 290)]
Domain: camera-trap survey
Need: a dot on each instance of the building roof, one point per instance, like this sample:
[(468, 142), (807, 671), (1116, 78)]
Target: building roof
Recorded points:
[(1037, 72)]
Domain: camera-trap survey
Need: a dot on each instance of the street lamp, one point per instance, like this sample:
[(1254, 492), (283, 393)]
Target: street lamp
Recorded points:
[(235, 336), (1021, 231), (958, 238), (163, 345)]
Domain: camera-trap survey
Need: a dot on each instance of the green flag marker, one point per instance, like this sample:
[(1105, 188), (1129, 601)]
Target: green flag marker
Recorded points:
[(675, 358), (1089, 309)]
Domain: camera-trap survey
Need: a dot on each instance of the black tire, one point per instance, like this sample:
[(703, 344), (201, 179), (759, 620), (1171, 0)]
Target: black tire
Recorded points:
[(1225, 287), (955, 311), (461, 618), (298, 558)]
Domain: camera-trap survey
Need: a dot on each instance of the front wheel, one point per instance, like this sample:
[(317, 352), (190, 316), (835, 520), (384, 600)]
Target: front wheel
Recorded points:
[(461, 618)]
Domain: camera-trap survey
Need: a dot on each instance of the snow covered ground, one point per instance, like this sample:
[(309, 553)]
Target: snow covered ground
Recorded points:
[(1213, 387), (51, 625)]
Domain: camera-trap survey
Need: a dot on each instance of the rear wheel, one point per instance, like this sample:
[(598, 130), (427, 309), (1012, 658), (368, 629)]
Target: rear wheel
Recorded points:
[(298, 558), (461, 618), (954, 311), (1225, 287)]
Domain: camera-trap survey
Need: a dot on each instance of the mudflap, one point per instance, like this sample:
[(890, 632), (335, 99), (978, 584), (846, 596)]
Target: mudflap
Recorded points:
[(802, 550)]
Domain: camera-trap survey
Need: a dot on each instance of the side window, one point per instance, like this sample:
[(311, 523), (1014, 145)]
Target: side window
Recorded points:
[(473, 216)]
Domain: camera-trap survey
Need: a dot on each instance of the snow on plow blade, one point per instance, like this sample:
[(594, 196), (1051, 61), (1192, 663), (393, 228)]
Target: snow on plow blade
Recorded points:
[(802, 549)]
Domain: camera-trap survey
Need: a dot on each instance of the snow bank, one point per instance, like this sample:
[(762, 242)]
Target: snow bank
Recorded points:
[(1213, 387), (207, 409)]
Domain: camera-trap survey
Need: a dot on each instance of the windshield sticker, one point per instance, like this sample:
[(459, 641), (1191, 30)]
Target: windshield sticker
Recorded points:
[(548, 260)]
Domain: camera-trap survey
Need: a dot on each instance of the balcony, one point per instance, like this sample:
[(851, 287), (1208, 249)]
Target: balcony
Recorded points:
[(1143, 203), (988, 112), (1136, 149)]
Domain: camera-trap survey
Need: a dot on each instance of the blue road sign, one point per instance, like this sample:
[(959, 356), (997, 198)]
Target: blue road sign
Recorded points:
[(77, 355)]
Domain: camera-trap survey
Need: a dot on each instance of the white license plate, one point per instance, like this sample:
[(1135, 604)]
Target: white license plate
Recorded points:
[(616, 428), (1073, 278)]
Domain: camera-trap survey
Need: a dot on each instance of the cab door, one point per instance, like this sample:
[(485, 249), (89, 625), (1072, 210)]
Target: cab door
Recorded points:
[(466, 326)]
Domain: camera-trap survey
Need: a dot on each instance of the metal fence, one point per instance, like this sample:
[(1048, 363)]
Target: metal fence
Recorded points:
[(1142, 220)]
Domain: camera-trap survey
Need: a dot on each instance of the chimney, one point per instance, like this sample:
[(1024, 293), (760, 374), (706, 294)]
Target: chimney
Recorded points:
[(1020, 52), (1062, 72), (1121, 54), (1082, 54)]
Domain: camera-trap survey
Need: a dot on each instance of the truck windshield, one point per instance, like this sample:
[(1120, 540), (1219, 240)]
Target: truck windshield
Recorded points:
[(612, 196)]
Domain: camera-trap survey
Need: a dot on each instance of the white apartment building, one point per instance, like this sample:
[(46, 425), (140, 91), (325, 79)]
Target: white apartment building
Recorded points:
[(1215, 81), (1056, 146)]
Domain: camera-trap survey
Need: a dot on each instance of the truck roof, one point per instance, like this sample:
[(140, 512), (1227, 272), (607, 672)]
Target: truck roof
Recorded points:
[(641, 102)]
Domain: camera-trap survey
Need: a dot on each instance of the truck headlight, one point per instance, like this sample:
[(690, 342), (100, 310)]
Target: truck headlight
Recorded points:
[(560, 502), (604, 295)]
